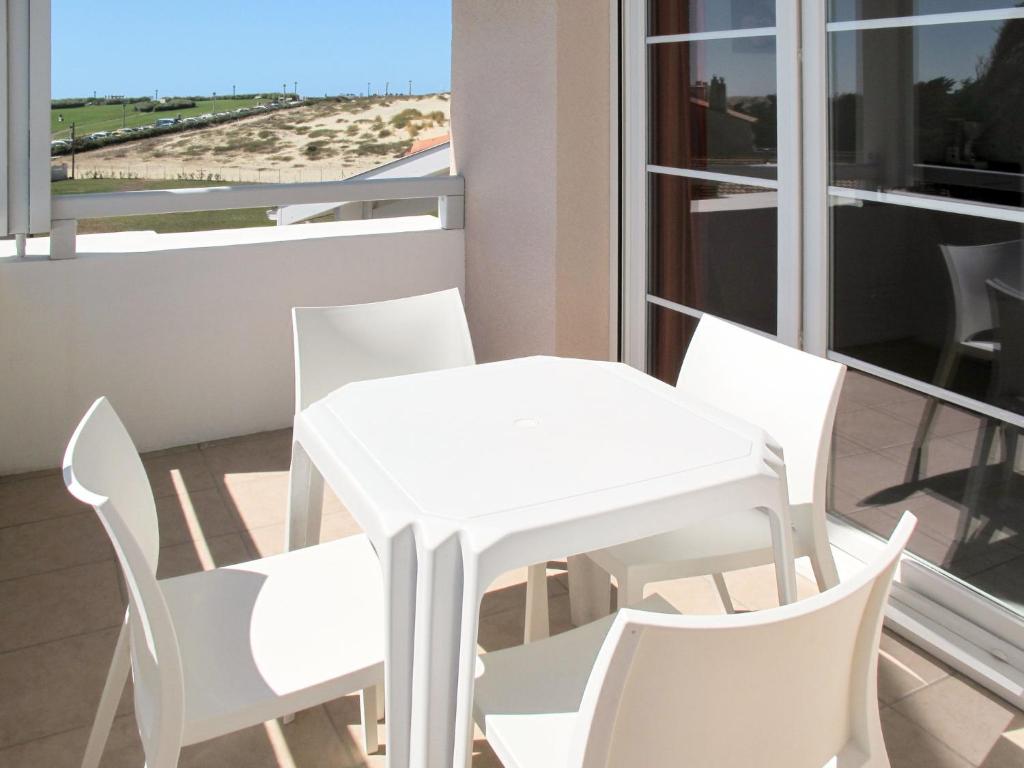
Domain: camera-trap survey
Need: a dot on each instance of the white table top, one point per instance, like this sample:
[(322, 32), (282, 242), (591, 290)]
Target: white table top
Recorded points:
[(472, 442)]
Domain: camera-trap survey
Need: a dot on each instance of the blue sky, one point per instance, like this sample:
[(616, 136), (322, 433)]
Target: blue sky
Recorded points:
[(191, 47)]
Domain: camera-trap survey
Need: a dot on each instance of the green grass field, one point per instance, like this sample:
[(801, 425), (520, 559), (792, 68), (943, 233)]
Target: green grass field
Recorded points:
[(168, 222), (109, 117)]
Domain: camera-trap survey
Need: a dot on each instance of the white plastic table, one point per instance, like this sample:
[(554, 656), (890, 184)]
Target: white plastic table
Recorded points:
[(460, 475)]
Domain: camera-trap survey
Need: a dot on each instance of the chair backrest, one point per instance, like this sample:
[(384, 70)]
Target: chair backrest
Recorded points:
[(102, 468), (1008, 313), (791, 395), (338, 345), (787, 687), (970, 266)]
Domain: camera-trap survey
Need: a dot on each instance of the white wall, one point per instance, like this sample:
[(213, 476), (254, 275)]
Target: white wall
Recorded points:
[(531, 134), (188, 334)]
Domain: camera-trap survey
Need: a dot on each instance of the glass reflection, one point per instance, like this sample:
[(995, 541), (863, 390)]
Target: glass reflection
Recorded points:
[(713, 106), (968, 494), (677, 17), (935, 110), (668, 333), (911, 294), (713, 248)]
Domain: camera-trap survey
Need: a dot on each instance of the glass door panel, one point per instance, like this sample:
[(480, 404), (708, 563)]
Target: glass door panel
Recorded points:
[(926, 230), (714, 187)]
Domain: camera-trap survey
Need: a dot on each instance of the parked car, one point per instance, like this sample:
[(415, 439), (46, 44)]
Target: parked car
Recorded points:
[(165, 122), (60, 145), (99, 135)]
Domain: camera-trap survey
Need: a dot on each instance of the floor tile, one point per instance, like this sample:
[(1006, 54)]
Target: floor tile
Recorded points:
[(52, 544), (756, 589), (963, 716), (173, 473), (310, 740), (256, 501), (249, 457), (692, 596), (904, 669), (344, 715), (51, 606), (204, 510), (910, 746), (269, 539), (508, 591), (65, 750), (39, 497), (53, 687), (180, 559)]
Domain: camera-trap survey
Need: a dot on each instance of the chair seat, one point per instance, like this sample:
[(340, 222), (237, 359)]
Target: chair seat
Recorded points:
[(527, 698), (273, 636), (727, 542)]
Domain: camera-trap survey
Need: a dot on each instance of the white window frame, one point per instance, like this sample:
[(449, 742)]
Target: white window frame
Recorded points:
[(24, 118)]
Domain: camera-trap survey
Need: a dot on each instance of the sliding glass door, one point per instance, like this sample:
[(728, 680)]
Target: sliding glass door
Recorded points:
[(848, 175), (925, 169)]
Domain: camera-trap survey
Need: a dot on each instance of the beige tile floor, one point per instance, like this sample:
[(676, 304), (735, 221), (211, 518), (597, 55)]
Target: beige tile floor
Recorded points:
[(61, 601)]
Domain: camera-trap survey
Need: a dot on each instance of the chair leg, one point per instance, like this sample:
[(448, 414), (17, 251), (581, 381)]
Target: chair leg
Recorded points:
[(380, 702), (822, 562), (120, 665), (723, 592), (305, 502), (368, 713), (537, 621), (631, 592), (590, 590)]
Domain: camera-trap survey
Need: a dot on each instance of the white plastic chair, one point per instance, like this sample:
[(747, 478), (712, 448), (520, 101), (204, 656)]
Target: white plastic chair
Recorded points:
[(788, 687), (217, 651), (792, 396), (335, 346), (970, 267)]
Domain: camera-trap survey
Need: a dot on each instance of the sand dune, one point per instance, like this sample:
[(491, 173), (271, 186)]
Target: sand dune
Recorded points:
[(321, 141)]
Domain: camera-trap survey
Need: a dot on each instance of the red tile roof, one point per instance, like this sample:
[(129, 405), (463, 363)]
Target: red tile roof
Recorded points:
[(425, 144)]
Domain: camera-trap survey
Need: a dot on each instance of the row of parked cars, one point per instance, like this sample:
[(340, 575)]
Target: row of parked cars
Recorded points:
[(60, 146)]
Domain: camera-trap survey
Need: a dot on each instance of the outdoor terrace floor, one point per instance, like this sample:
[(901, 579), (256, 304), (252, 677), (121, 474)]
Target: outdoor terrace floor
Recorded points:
[(219, 503)]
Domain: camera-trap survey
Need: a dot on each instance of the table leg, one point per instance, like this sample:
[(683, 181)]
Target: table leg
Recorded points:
[(398, 566), (590, 590), (436, 668), (305, 501)]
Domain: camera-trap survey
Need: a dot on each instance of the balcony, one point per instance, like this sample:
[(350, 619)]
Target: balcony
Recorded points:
[(189, 335)]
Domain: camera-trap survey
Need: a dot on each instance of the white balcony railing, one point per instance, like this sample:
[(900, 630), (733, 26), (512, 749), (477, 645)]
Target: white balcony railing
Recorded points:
[(68, 209)]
